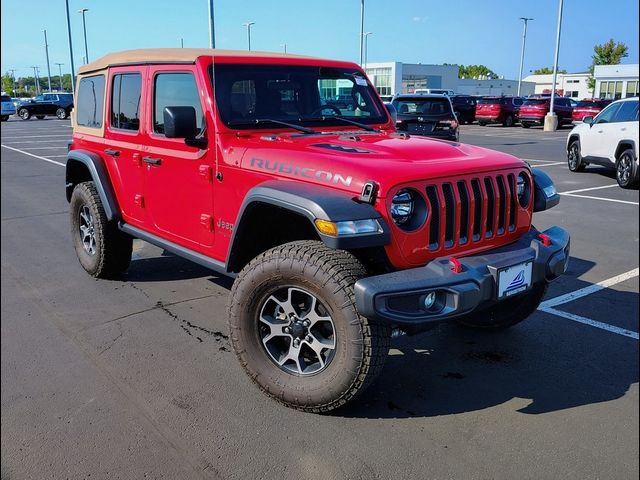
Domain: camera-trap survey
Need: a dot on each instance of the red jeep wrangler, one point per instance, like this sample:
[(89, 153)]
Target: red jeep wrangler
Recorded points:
[(337, 228)]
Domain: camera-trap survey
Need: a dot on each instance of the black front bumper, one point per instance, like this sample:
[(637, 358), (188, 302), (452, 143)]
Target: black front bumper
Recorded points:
[(399, 297)]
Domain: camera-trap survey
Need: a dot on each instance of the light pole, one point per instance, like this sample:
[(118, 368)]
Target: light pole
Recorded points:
[(248, 25), (182, 43), (284, 46), (73, 73), (361, 31), (550, 119), (212, 37), (84, 28), (13, 78), (46, 51), (524, 39), (366, 48), (60, 77), (35, 74)]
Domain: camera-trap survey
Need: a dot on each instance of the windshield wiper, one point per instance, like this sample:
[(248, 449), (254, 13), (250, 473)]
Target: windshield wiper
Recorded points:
[(262, 121), (345, 120)]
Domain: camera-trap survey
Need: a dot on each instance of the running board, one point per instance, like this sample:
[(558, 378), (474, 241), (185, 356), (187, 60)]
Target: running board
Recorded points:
[(195, 257)]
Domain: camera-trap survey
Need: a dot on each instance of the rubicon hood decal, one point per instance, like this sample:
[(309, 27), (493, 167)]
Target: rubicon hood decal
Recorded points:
[(304, 172)]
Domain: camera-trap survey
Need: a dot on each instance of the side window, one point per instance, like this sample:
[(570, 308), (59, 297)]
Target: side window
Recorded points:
[(90, 108), (174, 90), (628, 112), (125, 101), (606, 115)]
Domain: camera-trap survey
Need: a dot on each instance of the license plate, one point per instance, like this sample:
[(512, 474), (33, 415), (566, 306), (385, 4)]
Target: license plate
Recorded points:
[(421, 127), (514, 279)]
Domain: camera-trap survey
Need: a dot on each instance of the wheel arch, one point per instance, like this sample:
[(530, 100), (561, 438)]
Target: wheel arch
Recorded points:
[(623, 145), (84, 166), (287, 211), (572, 138)]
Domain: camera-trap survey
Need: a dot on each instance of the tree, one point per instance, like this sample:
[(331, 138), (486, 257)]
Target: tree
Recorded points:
[(546, 71), (609, 53), (7, 84), (476, 71)]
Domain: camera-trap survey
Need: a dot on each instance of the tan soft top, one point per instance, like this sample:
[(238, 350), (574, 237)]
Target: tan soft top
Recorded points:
[(172, 55)]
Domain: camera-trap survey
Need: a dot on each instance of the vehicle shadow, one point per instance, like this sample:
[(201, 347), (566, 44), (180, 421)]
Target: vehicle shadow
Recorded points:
[(545, 364)]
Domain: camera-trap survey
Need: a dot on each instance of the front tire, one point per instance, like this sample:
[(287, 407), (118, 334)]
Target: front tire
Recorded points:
[(24, 114), (574, 157), (507, 313), (508, 122), (296, 331), (102, 249), (627, 169), (482, 124)]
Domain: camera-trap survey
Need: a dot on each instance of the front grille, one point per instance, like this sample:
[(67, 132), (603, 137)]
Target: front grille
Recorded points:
[(470, 210)]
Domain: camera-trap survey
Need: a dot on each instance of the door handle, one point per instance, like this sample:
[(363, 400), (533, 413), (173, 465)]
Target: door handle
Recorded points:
[(152, 161), (113, 153), (624, 129)]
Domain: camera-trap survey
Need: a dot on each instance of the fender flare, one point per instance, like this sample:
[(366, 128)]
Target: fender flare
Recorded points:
[(100, 176), (625, 141), (312, 202)]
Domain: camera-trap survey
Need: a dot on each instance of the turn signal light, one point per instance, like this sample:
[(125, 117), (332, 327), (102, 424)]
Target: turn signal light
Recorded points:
[(327, 227)]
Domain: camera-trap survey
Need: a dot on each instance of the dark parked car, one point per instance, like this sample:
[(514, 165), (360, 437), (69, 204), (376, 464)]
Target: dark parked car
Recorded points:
[(58, 104), (464, 106), (502, 110), (534, 110), (428, 115), (589, 107)]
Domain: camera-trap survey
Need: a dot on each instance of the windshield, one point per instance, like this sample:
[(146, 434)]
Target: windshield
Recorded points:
[(419, 106), (290, 93), (536, 102)]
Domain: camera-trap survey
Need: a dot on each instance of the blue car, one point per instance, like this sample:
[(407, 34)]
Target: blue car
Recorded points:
[(8, 108)]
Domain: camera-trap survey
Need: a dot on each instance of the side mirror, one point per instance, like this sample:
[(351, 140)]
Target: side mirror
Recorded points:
[(588, 120), (180, 122)]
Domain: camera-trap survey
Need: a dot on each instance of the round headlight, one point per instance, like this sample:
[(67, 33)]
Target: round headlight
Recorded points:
[(402, 206), (523, 190)]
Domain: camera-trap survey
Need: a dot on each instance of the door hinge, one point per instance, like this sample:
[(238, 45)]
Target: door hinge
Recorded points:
[(139, 200), (207, 172), (206, 221)]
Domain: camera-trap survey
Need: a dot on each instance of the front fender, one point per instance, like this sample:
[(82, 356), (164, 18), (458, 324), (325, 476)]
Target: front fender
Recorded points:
[(97, 169)]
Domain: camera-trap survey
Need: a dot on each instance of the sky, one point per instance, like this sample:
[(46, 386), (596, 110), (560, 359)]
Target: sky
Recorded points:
[(465, 32)]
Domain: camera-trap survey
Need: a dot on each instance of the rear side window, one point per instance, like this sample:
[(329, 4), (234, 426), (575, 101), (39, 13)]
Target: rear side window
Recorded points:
[(6, 98), (90, 108), (125, 101), (174, 90), (628, 112)]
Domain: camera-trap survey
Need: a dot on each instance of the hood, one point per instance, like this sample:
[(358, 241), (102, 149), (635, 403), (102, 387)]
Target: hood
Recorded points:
[(347, 160)]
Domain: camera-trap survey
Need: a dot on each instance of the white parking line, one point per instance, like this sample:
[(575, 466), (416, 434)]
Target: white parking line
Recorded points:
[(600, 198), (37, 148), (547, 305), (587, 189), (30, 141), (596, 287), (551, 164), (43, 136), (35, 156), (588, 321)]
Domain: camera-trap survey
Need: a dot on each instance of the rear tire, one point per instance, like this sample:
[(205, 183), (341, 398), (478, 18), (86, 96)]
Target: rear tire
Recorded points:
[(102, 249), (61, 113), (272, 297), (508, 121), (24, 114), (4, 118), (627, 169), (525, 125), (506, 313), (574, 157), (482, 124)]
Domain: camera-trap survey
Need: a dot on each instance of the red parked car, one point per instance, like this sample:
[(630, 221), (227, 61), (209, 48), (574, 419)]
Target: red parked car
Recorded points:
[(589, 107), (502, 110), (534, 110)]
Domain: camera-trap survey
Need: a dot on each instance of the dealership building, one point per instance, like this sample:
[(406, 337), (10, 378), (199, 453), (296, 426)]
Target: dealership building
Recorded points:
[(391, 78), (616, 81), (572, 85)]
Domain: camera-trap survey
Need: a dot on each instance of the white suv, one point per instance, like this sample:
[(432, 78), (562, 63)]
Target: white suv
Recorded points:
[(610, 139)]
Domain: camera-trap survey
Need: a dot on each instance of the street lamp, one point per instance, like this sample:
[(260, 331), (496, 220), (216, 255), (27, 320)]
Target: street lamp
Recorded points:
[(84, 27), (46, 51), (35, 74), (212, 36), (13, 77), (361, 31), (248, 25), (366, 47), (550, 119), (524, 39), (73, 73), (60, 77), (284, 46)]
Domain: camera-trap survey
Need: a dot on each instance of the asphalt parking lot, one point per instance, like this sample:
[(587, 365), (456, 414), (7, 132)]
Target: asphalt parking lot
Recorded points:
[(136, 379)]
